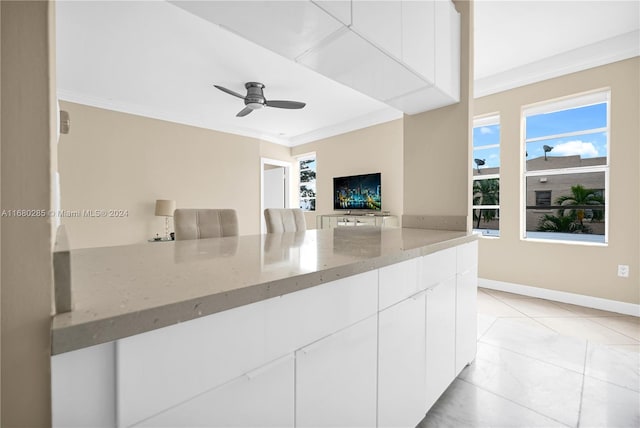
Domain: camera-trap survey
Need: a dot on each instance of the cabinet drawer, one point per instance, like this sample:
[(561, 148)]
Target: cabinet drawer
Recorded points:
[(261, 398), (438, 267), (298, 319), (158, 369), (397, 282)]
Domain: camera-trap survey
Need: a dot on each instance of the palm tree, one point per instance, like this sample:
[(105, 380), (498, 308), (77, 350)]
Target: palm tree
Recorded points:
[(561, 223), (580, 196), (485, 192)]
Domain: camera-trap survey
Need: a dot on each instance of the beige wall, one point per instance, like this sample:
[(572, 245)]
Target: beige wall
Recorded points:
[(28, 127), (588, 270), (437, 144), (374, 149), (113, 160)]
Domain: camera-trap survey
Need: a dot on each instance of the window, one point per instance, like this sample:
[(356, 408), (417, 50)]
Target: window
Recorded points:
[(566, 170), (307, 166), (543, 198), (486, 175)]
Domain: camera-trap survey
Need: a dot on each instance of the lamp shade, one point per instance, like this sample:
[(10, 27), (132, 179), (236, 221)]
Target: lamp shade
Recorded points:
[(165, 207)]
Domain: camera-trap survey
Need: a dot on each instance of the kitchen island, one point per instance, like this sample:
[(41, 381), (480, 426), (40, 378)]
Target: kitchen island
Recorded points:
[(338, 327)]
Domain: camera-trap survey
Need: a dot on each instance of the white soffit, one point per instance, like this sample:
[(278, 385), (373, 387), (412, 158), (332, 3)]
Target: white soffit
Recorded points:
[(156, 60), (518, 42)]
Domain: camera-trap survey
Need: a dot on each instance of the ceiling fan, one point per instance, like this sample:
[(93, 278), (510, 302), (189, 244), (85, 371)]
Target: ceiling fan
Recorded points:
[(255, 99)]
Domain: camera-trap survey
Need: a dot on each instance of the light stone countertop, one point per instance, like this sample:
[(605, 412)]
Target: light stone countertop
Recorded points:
[(127, 290)]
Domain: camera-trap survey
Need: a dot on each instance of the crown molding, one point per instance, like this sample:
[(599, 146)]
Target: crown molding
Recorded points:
[(159, 114), (607, 51), (370, 119), (360, 122)]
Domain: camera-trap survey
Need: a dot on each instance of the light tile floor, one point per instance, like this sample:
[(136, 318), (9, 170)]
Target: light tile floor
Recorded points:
[(545, 364)]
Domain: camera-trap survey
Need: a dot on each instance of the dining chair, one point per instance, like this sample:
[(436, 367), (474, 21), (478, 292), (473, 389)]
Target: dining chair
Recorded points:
[(192, 223), (284, 220)]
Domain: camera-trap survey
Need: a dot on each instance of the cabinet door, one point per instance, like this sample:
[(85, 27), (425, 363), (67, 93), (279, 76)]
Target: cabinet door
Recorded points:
[(83, 387), (418, 37), (401, 364), (466, 317), (336, 379), (263, 397), (466, 304), (441, 336)]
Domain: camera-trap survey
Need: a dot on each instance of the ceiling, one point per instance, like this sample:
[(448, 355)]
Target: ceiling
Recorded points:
[(157, 60)]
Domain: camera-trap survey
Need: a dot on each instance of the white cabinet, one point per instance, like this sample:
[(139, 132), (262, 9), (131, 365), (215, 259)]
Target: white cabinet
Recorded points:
[(397, 282), (328, 221), (263, 397), (437, 267), (161, 368), (466, 304), (441, 338), (378, 347), (336, 379), (380, 22), (418, 37), (83, 388), (447, 59), (401, 363)]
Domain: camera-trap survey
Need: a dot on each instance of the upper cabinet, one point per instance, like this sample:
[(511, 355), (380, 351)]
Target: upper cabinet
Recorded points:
[(404, 53)]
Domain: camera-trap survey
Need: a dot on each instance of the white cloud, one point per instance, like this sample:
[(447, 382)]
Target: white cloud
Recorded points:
[(582, 148), (486, 130)]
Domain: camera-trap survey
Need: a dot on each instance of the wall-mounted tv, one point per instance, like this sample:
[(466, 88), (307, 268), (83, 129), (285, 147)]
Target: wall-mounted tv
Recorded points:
[(358, 192)]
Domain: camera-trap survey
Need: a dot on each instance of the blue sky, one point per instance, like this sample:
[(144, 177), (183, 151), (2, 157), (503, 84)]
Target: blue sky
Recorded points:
[(487, 136), (561, 122)]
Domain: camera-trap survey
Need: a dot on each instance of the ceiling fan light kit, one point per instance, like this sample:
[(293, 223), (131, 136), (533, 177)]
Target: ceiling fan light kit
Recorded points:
[(255, 99)]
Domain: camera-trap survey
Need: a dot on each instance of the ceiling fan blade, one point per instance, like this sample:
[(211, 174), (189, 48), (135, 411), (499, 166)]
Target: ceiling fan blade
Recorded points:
[(245, 111), (229, 91), (285, 104)]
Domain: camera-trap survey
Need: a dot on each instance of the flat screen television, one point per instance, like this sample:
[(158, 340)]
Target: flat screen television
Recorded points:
[(358, 192)]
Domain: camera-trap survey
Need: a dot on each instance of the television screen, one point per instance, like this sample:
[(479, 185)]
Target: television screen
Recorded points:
[(357, 192)]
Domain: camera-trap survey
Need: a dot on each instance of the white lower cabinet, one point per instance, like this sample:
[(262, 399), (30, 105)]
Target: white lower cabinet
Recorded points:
[(261, 398), (83, 388), (401, 363), (336, 379), (364, 351), (466, 304), (466, 318), (441, 338)]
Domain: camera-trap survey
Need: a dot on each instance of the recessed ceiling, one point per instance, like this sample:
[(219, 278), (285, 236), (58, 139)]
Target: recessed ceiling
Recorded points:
[(157, 60)]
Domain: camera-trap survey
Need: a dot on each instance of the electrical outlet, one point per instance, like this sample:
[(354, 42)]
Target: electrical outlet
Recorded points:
[(623, 271)]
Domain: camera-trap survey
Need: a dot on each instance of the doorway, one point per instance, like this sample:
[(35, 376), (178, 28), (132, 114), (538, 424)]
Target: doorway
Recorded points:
[(274, 186)]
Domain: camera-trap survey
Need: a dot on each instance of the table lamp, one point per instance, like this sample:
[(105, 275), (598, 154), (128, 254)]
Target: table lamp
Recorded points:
[(165, 208)]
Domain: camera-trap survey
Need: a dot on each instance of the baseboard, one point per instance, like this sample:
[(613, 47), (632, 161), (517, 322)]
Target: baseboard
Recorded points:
[(564, 297)]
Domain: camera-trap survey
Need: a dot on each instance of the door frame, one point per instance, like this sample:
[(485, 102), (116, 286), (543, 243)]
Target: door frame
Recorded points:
[(287, 185)]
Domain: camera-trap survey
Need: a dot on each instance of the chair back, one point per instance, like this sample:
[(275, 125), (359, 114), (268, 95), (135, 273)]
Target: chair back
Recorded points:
[(204, 223), (284, 220)]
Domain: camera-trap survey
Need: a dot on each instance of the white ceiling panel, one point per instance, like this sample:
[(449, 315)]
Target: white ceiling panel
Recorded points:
[(158, 60), (155, 59)]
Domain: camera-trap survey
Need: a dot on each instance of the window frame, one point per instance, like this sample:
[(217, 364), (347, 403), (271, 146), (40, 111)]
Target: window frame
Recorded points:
[(300, 159), (488, 119), (598, 96)]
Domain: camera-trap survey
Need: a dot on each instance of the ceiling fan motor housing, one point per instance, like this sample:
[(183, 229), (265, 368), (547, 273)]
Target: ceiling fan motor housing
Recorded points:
[(255, 97)]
